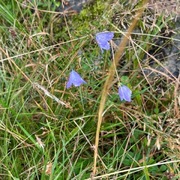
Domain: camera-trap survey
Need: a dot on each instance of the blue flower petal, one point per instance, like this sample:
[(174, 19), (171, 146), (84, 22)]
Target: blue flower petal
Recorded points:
[(124, 93), (74, 79), (102, 39)]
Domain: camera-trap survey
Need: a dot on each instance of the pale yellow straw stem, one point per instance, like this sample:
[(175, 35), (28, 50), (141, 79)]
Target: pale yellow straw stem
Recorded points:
[(110, 77)]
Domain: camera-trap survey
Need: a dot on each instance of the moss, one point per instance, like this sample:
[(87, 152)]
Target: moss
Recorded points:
[(89, 18)]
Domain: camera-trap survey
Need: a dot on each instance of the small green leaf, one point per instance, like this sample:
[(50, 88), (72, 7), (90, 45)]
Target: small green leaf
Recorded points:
[(163, 168), (124, 79)]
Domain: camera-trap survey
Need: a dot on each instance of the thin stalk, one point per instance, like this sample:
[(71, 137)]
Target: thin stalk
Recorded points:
[(110, 77)]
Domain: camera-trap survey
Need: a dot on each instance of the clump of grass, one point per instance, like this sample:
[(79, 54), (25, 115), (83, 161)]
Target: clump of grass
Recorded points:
[(43, 139)]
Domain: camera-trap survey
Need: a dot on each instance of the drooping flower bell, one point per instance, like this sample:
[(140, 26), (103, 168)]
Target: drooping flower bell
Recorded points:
[(74, 79), (102, 39), (124, 93)]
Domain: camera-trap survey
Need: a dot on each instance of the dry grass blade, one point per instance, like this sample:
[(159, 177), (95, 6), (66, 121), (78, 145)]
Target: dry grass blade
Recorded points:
[(110, 79), (47, 93)]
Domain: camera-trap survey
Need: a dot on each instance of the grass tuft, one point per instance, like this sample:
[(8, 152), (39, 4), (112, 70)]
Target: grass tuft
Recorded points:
[(48, 132)]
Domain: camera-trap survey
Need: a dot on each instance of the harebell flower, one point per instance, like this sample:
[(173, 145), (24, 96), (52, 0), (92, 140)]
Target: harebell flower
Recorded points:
[(124, 93), (74, 79), (102, 39)]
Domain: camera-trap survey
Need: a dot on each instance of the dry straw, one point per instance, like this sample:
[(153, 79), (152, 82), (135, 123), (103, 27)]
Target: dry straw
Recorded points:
[(110, 77)]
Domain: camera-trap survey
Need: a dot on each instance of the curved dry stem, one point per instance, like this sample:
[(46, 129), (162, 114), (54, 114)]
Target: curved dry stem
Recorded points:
[(110, 77)]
